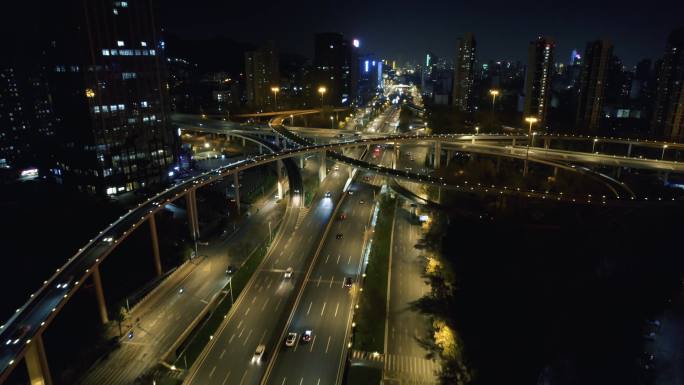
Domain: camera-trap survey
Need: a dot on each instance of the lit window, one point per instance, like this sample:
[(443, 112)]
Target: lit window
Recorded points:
[(152, 52), (124, 4), (116, 11), (119, 43), (113, 107), (121, 107), (114, 52), (128, 75), (96, 109), (105, 52), (143, 103), (143, 44)]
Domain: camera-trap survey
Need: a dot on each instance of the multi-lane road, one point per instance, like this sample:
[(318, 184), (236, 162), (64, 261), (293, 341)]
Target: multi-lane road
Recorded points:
[(256, 317)]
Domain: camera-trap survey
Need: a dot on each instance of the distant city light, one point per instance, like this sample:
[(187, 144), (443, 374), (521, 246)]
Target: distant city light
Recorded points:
[(356, 43)]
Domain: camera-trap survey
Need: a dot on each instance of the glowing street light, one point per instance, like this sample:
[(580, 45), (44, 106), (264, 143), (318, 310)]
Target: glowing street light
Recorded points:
[(322, 90), (291, 120), (494, 94), (275, 91), (662, 157), (331, 121), (531, 120), (593, 146)]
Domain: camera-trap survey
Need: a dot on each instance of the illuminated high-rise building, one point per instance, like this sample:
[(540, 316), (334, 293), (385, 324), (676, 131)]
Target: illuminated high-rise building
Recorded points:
[(593, 80), (333, 68), (105, 69), (538, 78), (464, 73), (668, 112), (261, 75)]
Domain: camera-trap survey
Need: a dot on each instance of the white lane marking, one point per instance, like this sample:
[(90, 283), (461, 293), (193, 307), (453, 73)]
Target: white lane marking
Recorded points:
[(310, 303), (254, 299), (336, 307), (349, 260), (323, 310), (247, 312), (246, 338), (281, 253), (328, 345), (231, 338), (226, 379), (212, 371), (312, 344), (332, 279), (265, 303), (283, 383), (318, 382), (338, 259), (326, 258), (278, 304), (241, 331), (243, 377), (222, 353), (301, 380), (319, 281)]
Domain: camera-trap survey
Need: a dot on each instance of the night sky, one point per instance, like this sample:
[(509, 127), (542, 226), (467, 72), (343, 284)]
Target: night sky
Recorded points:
[(405, 30)]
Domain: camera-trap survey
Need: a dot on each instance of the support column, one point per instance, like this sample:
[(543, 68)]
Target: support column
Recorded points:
[(236, 186), (513, 144), (629, 150), (498, 164), (395, 159), (99, 294), (155, 245), (547, 142), (322, 169), (261, 150), (243, 142), (438, 154), (618, 172), (279, 166), (555, 172), (36, 362), (449, 155), (190, 205), (301, 162)]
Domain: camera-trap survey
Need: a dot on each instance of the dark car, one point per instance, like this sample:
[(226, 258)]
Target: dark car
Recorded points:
[(339, 236), (18, 334), (306, 336), (343, 216), (230, 270), (348, 281)]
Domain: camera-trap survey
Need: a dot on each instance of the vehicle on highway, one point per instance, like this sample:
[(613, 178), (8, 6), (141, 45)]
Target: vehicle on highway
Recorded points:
[(288, 272), (230, 269), (336, 168), (348, 281), (258, 354), (306, 336), (361, 202), (339, 236), (296, 191), (351, 192), (328, 194), (343, 216), (18, 335), (291, 339), (65, 283), (109, 239)]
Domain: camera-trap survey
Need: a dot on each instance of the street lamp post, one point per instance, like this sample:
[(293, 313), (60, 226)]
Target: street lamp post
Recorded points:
[(662, 157), (531, 120), (331, 122), (593, 146), (322, 90), (270, 237), (291, 120), (275, 91), (494, 94)]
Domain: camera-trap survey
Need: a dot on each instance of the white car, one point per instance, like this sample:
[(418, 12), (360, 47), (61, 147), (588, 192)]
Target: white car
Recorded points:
[(328, 194), (288, 272), (258, 354), (291, 339)]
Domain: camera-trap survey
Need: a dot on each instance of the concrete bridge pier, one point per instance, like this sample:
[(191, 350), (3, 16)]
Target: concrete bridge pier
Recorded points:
[(395, 158), (547, 142), (448, 158), (244, 143), (193, 223), (36, 362), (513, 143), (99, 295), (301, 162), (155, 245), (322, 169), (279, 167), (438, 155), (236, 186), (629, 150)]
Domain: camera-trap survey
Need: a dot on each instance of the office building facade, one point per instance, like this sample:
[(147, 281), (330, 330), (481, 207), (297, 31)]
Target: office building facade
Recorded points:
[(538, 78), (105, 70), (598, 59), (668, 111), (333, 68), (261, 75), (464, 74)]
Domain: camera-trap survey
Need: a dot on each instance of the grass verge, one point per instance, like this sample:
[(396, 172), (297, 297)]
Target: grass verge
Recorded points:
[(364, 375), (369, 334)]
